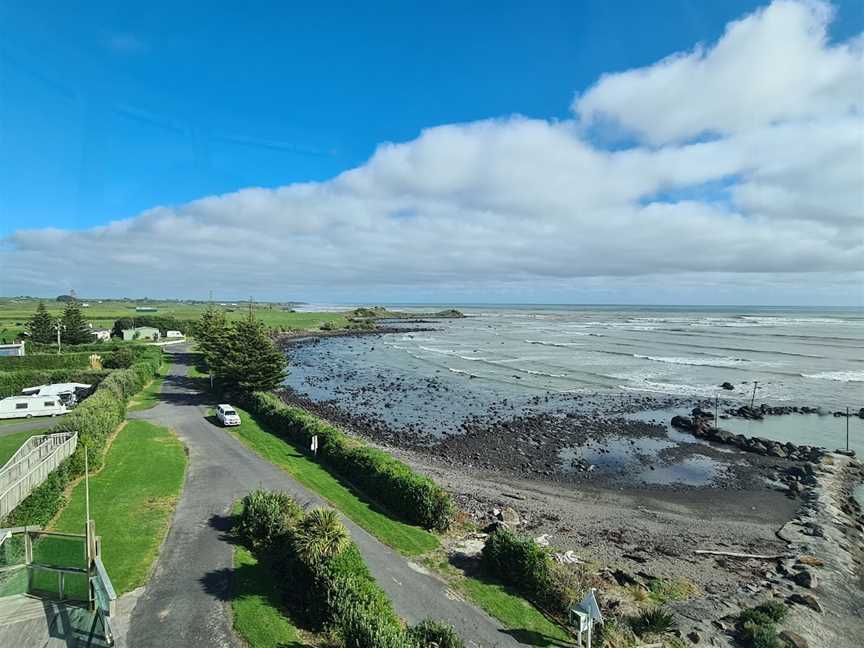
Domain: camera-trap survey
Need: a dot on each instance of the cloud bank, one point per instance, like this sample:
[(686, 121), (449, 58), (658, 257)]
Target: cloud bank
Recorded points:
[(742, 165)]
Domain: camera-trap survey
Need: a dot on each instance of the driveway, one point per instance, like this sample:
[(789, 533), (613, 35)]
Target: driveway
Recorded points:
[(187, 601), (27, 424)]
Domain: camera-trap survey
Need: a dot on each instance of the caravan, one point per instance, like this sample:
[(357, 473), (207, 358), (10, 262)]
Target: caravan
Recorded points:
[(68, 393), (27, 406)]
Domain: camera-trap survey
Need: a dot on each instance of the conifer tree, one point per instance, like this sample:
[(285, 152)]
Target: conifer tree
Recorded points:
[(251, 361), (211, 335), (41, 325), (75, 328)]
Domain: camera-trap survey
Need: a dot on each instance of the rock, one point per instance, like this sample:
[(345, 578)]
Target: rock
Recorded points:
[(727, 386), (508, 516), (807, 600), (682, 422), (812, 561), (694, 636), (793, 639), (805, 578), (623, 578)]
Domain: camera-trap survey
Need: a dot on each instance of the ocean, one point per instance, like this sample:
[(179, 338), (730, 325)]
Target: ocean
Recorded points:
[(513, 353)]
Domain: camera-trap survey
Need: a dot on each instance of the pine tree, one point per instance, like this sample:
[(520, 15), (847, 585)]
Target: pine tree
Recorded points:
[(251, 362), (75, 329), (41, 325), (212, 335)]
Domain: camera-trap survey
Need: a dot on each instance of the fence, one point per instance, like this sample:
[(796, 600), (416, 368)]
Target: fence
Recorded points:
[(31, 465)]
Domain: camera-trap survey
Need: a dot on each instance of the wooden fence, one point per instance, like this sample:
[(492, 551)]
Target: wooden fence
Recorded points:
[(31, 465)]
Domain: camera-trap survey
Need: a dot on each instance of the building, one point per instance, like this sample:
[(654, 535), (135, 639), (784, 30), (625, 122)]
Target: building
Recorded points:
[(102, 335), (12, 349), (146, 309), (141, 333), (173, 335)]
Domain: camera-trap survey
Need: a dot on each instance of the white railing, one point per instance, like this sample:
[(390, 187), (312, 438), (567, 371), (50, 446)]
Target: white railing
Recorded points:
[(31, 465)]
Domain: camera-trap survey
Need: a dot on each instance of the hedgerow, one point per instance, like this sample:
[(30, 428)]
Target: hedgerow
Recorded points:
[(45, 361), (335, 593), (415, 497), (93, 419), (521, 563)]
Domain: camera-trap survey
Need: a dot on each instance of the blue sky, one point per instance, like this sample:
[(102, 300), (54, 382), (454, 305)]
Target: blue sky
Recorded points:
[(110, 109)]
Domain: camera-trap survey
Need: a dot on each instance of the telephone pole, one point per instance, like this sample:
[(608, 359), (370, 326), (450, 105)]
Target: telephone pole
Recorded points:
[(59, 326)]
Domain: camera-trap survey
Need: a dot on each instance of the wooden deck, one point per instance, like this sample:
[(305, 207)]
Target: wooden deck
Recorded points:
[(31, 622)]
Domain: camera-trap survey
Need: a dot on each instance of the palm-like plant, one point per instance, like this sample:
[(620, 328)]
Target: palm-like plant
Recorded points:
[(320, 535)]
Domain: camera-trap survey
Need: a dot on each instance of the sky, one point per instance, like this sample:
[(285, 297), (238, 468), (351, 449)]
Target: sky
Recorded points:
[(674, 152)]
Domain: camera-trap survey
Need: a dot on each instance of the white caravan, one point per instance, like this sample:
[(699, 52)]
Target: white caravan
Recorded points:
[(68, 393), (27, 406)]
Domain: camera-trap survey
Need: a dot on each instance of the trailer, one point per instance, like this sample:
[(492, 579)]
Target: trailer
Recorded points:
[(68, 393), (29, 406)]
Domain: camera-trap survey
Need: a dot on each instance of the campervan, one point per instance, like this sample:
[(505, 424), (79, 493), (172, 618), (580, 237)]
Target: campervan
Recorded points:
[(68, 393), (27, 406)]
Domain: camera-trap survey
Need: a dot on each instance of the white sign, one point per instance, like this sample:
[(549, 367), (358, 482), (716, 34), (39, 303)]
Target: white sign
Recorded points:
[(314, 447), (590, 607)]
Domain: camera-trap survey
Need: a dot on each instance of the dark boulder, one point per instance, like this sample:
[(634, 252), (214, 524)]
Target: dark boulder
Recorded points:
[(727, 386)]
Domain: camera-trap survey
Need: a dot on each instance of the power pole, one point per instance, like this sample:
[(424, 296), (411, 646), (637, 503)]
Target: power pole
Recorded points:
[(59, 327), (847, 428), (753, 397)]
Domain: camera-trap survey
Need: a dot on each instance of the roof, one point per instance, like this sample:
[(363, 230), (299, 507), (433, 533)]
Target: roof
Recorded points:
[(226, 405)]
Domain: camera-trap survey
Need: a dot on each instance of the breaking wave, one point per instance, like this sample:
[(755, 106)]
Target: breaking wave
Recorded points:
[(696, 362), (839, 376)]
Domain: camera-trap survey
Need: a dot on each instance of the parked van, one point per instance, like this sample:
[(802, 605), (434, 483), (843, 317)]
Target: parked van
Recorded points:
[(27, 406), (227, 415)]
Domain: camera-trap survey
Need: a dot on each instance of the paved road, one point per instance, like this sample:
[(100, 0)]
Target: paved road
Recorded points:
[(186, 602), (27, 424)]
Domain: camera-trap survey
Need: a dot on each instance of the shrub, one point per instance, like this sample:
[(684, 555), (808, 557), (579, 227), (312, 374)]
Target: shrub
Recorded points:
[(46, 361), (265, 517), (756, 627), (44, 502), (120, 359), (319, 535), (653, 621), (430, 632), (415, 497)]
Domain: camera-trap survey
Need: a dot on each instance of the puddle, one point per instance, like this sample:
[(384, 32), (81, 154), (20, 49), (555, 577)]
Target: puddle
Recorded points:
[(636, 460), (693, 471)]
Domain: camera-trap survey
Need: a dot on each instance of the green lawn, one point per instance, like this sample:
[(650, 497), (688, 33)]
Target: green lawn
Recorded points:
[(131, 500), (526, 623), (405, 538), (255, 602), (10, 443), (149, 396)]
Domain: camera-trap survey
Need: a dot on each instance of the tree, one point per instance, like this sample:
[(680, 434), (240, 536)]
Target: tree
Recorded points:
[(320, 535), (250, 361), (121, 325), (41, 325), (75, 328), (212, 335)]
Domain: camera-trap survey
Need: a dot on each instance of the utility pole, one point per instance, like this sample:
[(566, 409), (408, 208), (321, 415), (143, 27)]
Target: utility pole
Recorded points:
[(753, 397), (716, 407)]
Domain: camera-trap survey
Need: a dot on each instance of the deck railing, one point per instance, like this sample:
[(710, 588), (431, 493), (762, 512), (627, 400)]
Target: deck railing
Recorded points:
[(31, 465)]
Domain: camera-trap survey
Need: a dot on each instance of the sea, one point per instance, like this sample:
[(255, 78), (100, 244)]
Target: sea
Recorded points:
[(512, 353)]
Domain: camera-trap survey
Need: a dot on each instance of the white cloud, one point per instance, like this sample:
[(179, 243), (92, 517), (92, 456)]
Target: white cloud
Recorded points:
[(522, 206)]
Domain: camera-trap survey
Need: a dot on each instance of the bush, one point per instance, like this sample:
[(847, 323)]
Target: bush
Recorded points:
[(44, 502), (319, 535), (654, 621), (756, 627), (122, 358), (266, 517), (430, 632), (519, 562), (415, 497), (47, 361)]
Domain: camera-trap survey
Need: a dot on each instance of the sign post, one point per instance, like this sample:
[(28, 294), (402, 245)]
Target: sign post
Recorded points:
[(314, 446), (583, 616)]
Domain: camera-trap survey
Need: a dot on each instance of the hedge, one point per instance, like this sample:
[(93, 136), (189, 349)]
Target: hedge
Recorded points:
[(94, 420), (337, 594), (46, 361), (522, 564), (12, 382), (415, 497)]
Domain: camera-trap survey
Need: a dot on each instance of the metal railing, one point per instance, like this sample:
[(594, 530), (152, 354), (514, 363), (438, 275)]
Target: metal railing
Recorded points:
[(30, 466)]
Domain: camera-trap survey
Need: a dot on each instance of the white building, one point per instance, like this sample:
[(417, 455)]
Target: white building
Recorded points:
[(103, 335), (173, 334), (12, 349)]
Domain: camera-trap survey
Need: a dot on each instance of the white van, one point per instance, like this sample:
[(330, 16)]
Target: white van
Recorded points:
[(27, 406), (227, 415)]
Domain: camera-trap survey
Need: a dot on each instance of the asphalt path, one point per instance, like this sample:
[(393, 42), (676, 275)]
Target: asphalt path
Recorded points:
[(187, 601)]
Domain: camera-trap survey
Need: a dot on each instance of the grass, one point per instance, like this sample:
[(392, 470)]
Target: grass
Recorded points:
[(149, 396), (526, 623), (662, 591), (10, 443), (405, 538), (131, 500)]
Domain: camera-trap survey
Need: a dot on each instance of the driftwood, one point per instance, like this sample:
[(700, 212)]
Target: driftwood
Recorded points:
[(735, 554)]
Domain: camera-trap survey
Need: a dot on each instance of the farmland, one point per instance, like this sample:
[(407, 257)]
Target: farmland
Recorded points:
[(14, 313)]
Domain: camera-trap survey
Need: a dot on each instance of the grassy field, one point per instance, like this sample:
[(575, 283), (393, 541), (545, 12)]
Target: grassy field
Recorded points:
[(10, 443), (14, 314), (405, 538), (131, 500)]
